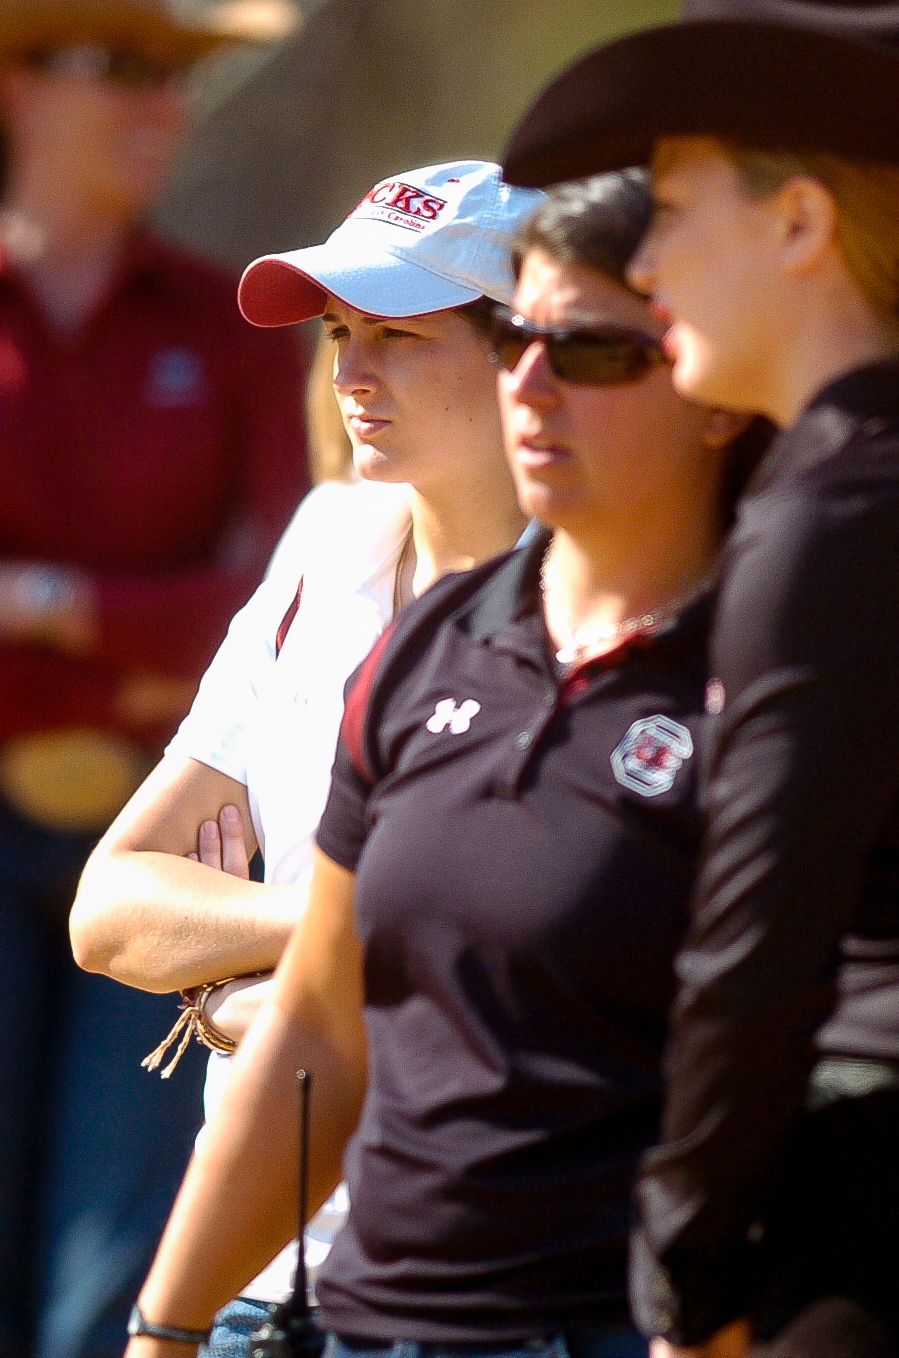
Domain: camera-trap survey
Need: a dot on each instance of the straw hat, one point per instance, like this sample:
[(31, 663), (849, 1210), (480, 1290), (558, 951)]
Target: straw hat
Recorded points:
[(790, 74), (151, 25)]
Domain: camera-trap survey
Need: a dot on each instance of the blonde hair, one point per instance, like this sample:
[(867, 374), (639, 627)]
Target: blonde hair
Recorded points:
[(866, 199), (330, 450)]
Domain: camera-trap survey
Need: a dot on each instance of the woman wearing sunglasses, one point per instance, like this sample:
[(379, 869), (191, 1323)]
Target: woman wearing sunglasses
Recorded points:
[(774, 135), (484, 965)]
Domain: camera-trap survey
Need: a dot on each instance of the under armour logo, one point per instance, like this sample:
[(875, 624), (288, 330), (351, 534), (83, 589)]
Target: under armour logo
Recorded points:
[(447, 714)]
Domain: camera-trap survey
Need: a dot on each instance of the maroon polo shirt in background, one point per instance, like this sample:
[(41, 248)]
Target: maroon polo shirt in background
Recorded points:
[(160, 449)]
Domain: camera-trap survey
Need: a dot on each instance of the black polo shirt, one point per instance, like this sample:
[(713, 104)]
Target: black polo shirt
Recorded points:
[(524, 843)]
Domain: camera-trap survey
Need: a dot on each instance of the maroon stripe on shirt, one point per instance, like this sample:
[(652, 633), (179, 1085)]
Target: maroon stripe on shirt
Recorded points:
[(354, 713), (286, 621)]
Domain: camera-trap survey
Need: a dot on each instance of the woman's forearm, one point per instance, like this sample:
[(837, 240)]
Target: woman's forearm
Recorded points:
[(160, 922), (236, 1208), (150, 917)]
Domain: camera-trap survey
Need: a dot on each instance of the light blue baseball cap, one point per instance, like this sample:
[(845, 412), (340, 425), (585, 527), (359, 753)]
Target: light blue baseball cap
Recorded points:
[(425, 240)]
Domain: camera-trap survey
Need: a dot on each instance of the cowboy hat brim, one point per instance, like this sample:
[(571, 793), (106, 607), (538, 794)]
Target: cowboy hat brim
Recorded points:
[(28, 27), (767, 85)]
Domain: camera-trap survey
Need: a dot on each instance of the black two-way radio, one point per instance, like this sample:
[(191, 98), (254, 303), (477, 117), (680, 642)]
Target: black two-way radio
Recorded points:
[(291, 1332)]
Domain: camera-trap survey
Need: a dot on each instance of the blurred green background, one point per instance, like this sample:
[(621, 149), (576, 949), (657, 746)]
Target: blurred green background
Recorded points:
[(290, 139)]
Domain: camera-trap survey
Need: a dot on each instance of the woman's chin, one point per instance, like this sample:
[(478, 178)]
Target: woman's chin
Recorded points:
[(701, 371), (544, 503), (372, 465), (695, 378)]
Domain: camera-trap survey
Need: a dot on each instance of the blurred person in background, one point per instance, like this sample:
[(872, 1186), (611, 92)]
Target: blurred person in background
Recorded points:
[(151, 451), (405, 287)]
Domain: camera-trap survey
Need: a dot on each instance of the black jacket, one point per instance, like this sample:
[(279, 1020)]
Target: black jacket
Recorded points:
[(794, 944)]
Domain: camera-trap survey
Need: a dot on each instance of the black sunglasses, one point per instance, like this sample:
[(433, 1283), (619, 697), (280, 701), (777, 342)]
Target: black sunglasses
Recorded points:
[(125, 68), (607, 356)]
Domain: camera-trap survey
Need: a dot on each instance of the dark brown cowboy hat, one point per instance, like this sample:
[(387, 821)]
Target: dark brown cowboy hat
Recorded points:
[(788, 74), (27, 25)]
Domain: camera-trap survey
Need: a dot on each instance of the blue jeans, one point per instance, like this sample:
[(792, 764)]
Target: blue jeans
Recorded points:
[(93, 1148), (233, 1326), (613, 1341), (237, 1321)]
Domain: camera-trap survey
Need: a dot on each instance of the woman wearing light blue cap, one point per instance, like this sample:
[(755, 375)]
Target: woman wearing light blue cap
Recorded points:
[(251, 762)]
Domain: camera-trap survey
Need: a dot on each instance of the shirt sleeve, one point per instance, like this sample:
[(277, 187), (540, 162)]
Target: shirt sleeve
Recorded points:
[(343, 827), (802, 779), (218, 727), (223, 715), (170, 621)]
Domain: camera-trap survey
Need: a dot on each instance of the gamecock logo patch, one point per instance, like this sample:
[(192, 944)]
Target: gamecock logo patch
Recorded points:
[(649, 756)]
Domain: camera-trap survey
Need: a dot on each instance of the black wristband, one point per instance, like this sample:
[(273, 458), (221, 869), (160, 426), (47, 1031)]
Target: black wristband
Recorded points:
[(139, 1325)]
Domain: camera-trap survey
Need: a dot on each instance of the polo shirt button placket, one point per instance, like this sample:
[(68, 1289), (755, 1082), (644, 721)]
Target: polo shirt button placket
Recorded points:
[(526, 739)]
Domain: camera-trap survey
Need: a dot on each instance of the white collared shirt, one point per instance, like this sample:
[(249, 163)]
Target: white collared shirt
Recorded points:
[(270, 720)]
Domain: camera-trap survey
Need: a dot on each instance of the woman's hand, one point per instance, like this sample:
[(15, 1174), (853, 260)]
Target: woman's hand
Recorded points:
[(41, 601), (733, 1341), (233, 1007), (221, 844)]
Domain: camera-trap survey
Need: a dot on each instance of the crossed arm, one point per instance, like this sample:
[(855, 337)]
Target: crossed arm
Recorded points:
[(152, 917)]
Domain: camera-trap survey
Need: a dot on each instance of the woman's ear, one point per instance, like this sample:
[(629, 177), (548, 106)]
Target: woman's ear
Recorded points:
[(721, 427), (808, 218)]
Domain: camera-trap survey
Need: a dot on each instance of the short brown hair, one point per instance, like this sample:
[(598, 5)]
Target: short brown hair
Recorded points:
[(596, 223)]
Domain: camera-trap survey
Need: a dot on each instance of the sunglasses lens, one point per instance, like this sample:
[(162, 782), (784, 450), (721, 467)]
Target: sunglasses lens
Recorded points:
[(605, 357), (601, 360), (508, 348)]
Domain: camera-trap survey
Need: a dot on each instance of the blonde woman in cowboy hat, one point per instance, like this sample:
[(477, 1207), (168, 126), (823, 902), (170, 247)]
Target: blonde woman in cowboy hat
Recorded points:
[(773, 131), (150, 454)]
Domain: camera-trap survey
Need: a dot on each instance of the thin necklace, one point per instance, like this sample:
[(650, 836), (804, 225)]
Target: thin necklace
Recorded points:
[(579, 641), (402, 561)]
